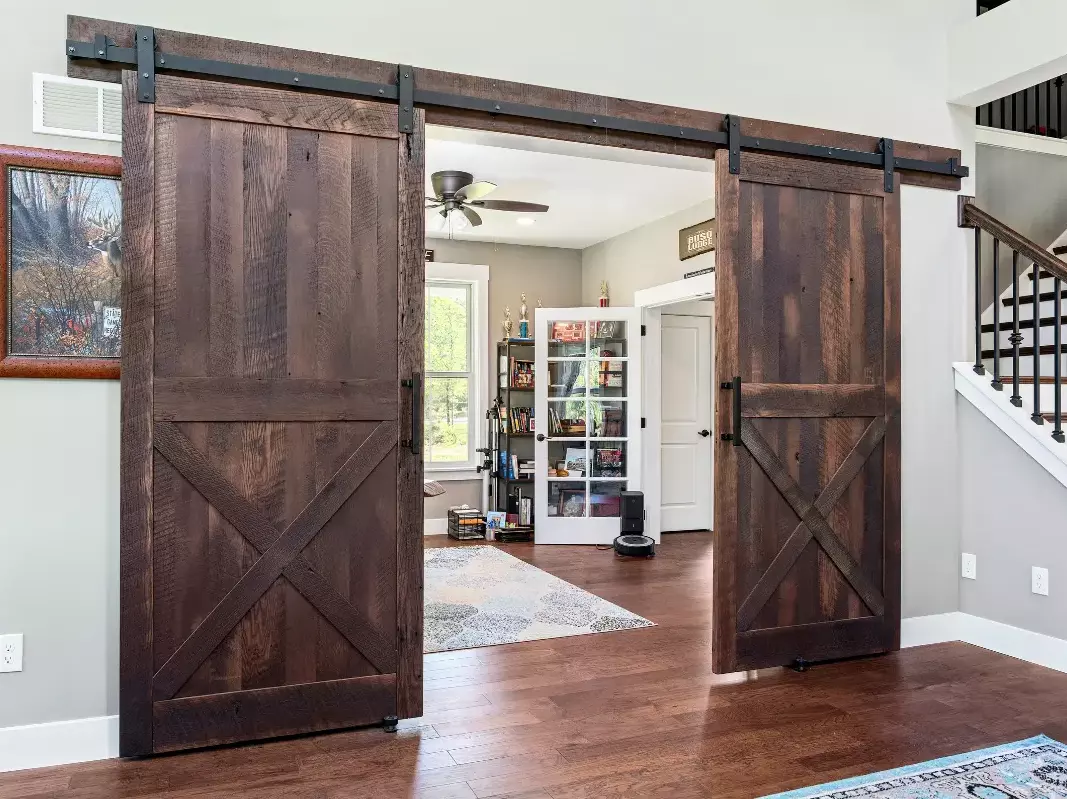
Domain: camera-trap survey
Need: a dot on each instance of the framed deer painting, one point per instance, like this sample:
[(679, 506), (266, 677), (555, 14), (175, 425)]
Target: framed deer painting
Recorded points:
[(60, 264)]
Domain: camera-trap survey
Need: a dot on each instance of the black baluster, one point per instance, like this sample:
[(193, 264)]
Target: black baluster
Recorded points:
[(989, 114), (1016, 337), (1059, 106), (1026, 110), (1003, 115), (1015, 111), (996, 316), (978, 368), (1057, 408), (1035, 279), (1048, 108)]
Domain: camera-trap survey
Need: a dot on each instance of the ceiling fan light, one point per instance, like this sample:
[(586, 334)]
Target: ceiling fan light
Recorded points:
[(439, 222), (525, 221), (458, 220)]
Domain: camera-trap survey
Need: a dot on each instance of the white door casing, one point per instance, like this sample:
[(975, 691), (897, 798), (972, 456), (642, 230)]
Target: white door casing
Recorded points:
[(686, 478), (579, 379)]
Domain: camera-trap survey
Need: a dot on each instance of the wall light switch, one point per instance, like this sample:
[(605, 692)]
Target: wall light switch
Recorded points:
[(10, 653), (970, 566), (1039, 580)]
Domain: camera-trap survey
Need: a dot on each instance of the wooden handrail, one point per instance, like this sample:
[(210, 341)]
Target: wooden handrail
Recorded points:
[(971, 216)]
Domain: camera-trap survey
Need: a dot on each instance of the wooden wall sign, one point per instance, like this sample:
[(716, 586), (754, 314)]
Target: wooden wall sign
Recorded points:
[(697, 239)]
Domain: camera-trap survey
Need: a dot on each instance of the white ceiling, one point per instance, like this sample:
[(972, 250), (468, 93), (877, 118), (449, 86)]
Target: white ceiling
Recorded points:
[(591, 195)]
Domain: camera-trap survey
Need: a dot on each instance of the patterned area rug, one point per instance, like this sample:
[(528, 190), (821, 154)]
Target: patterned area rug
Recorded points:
[(482, 596), (1032, 769)]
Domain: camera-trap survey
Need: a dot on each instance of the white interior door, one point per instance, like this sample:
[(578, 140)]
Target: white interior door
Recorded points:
[(587, 450), (685, 432)]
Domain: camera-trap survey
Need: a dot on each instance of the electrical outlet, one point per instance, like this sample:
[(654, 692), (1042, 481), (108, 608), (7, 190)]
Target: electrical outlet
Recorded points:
[(10, 652), (1039, 580), (970, 566)]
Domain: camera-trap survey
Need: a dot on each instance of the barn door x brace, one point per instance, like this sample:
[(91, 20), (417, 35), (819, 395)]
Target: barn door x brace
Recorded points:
[(147, 61)]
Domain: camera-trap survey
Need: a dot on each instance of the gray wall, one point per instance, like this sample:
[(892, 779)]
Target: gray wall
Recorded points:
[(59, 526), (551, 274), (644, 257), (1027, 191), (1014, 516)]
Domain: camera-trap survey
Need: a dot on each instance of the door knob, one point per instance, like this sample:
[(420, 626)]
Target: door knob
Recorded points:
[(540, 436), (704, 433)]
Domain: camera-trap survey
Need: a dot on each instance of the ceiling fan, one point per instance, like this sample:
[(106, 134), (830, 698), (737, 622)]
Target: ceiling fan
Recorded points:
[(458, 195)]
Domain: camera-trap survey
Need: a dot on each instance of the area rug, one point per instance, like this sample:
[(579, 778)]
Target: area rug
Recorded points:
[(482, 596), (1032, 769)]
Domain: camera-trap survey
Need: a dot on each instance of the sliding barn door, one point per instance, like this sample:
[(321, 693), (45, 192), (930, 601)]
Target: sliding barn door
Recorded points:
[(807, 471), (271, 556)]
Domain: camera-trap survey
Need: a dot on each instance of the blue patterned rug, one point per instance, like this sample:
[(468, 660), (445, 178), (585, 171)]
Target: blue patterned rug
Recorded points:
[(1032, 769)]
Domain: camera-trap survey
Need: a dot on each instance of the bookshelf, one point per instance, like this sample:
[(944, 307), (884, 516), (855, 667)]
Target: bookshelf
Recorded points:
[(512, 417)]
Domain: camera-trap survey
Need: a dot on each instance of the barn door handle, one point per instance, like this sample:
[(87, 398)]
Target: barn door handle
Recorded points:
[(734, 386), (415, 384)]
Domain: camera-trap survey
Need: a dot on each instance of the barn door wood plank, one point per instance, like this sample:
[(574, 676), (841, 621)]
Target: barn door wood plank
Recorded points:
[(138, 335), (209, 634), (410, 323), (202, 475), (808, 318)]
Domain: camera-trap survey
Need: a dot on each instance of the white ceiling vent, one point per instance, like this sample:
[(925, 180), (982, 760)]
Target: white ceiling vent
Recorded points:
[(87, 109)]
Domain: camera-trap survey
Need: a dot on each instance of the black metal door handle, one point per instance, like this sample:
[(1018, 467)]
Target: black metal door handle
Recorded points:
[(540, 436), (415, 384), (704, 433), (734, 386)]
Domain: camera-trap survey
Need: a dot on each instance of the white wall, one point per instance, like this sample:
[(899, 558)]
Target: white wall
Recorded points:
[(1007, 50), (831, 63)]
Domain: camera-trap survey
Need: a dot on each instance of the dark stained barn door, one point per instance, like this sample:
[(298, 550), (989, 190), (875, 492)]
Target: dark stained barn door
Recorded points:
[(807, 489), (271, 556)]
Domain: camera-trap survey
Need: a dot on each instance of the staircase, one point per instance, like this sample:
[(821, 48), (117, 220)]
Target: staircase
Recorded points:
[(1020, 337)]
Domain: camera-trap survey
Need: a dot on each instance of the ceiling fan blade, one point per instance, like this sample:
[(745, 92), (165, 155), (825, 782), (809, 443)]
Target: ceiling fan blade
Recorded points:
[(510, 205), (472, 217), (475, 191), (437, 180)]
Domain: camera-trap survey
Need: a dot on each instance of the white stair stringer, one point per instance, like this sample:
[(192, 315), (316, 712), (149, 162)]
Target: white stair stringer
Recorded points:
[(1036, 440)]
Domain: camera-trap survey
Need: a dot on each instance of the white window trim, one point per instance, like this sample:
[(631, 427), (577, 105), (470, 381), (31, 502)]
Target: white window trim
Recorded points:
[(477, 277)]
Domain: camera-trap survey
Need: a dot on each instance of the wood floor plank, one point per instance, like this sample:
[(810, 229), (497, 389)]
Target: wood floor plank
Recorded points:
[(628, 714)]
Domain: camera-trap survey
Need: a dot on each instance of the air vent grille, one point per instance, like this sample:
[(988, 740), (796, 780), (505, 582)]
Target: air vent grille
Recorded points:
[(73, 107)]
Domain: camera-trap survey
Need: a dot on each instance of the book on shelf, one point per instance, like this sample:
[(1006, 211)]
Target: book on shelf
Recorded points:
[(521, 373)]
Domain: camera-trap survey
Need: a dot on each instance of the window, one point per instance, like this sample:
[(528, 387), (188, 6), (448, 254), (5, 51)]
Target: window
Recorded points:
[(456, 352)]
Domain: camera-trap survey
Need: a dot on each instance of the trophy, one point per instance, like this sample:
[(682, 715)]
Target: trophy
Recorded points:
[(603, 294), (506, 324), (524, 321)]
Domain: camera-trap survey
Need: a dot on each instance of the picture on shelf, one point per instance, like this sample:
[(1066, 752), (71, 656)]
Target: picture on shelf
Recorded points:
[(495, 519), (574, 461), (568, 331), (572, 502)]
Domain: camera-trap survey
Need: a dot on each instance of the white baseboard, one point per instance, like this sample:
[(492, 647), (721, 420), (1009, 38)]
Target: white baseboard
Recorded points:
[(435, 526), (58, 743), (1044, 650)]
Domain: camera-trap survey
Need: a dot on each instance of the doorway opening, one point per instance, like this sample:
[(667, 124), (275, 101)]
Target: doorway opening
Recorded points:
[(536, 388)]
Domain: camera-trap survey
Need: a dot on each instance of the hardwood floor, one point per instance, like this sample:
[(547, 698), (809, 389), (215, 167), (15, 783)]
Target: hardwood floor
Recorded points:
[(627, 714)]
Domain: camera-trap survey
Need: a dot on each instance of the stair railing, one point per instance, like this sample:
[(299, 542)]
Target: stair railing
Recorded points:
[(1044, 265)]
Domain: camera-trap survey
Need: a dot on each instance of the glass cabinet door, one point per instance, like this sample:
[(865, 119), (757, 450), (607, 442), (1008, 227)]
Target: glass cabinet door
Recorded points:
[(588, 442)]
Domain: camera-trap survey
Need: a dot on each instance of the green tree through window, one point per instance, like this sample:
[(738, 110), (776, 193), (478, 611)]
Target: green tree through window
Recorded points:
[(448, 373)]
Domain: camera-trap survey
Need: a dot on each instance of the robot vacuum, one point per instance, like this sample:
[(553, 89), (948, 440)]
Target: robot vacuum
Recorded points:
[(633, 545)]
